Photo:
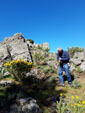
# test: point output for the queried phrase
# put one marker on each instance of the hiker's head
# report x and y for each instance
(60, 50)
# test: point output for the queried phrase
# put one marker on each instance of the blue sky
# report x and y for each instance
(61, 23)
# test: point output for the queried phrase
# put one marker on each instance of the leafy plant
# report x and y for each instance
(72, 50)
(47, 49)
(78, 69)
(18, 68)
(39, 47)
(38, 57)
(76, 84)
(61, 107)
(2, 72)
(51, 79)
(31, 41)
(73, 106)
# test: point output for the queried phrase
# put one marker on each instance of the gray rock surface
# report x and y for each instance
(82, 66)
(6, 82)
(4, 55)
(15, 47)
(76, 61)
(80, 56)
(25, 105)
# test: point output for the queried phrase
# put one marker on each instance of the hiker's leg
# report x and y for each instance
(60, 73)
(66, 69)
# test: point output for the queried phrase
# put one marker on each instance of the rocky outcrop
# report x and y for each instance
(4, 54)
(15, 47)
(44, 45)
(78, 60)
(82, 66)
(25, 105)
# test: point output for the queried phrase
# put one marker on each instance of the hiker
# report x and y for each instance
(63, 59)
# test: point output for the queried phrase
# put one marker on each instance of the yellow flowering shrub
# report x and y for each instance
(18, 68)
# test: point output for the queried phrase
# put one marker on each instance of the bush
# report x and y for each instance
(51, 79)
(18, 68)
(31, 41)
(47, 49)
(38, 57)
(46, 69)
(39, 47)
(76, 84)
(72, 50)
(78, 69)
(2, 71)
(49, 70)
(73, 106)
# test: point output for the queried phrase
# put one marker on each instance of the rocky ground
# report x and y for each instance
(40, 93)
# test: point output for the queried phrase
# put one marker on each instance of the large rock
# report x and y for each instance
(16, 47)
(82, 66)
(4, 55)
(76, 61)
(72, 68)
(25, 105)
(6, 82)
(80, 56)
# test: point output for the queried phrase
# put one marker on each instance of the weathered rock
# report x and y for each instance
(15, 47)
(80, 56)
(33, 72)
(76, 61)
(82, 66)
(4, 55)
(25, 105)
(72, 68)
(6, 74)
(6, 82)
(44, 45)
(18, 47)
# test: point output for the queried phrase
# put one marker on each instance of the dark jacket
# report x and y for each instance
(64, 57)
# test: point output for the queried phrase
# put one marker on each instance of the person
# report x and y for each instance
(63, 59)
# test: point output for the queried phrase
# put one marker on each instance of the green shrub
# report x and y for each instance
(38, 57)
(46, 70)
(18, 68)
(78, 69)
(39, 47)
(72, 50)
(31, 41)
(2, 71)
(49, 70)
(41, 66)
(52, 70)
(47, 49)
(51, 79)
(61, 107)
(76, 84)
